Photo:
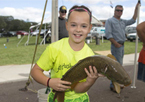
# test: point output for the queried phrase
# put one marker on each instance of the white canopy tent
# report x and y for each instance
(37, 27)
(96, 22)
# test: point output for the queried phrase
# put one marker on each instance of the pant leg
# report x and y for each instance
(144, 72)
(141, 71)
(118, 53)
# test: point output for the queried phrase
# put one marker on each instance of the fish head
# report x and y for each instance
(117, 73)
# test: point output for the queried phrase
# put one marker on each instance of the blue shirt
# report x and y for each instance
(115, 28)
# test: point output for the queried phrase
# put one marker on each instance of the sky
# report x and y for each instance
(32, 10)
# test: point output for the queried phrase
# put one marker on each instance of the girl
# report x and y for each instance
(60, 56)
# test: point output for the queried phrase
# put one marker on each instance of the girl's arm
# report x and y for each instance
(55, 83)
(38, 75)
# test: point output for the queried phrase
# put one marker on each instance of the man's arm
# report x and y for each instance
(135, 11)
(108, 34)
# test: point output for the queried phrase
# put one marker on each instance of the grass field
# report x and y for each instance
(21, 54)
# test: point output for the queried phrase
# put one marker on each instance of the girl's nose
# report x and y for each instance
(78, 29)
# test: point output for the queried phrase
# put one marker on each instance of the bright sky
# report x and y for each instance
(33, 9)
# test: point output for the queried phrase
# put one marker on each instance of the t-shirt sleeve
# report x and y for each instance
(45, 61)
(84, 80)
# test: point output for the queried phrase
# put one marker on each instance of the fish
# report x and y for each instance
(106, 65)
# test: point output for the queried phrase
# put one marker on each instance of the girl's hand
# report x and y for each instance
(59, 85)
(92, 75)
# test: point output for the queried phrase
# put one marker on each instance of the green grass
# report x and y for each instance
(128, 49)
(22, 54)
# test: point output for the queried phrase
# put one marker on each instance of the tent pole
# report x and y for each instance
(54, 26)
(136, 47)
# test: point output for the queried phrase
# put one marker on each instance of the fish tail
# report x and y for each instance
(59, 96)
(55, 96)
(117, 87)
(73, 85)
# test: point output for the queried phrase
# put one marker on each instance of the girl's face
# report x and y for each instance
(78, 26)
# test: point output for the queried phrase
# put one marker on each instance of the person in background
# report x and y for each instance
(141, 60)
(115, 32)
(60, 56)
(62, 20)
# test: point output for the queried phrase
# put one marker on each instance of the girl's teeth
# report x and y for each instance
(77, 35)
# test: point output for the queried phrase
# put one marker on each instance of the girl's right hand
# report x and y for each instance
(59, 85)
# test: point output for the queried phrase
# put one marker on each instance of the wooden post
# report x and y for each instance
(54, 26)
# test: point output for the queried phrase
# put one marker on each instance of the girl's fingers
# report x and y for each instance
(86, 71)
(64, 85)
(91, 71)
(95, 70)
(65, 82)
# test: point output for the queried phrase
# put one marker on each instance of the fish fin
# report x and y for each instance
(55, 95)
(73, 85)
(111, 56)
(117, 87)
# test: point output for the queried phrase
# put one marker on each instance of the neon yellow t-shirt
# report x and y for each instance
(60, 57)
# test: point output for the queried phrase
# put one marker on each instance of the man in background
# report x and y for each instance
(62, 20)
(115, 32)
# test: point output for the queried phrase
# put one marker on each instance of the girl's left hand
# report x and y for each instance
(92, 74)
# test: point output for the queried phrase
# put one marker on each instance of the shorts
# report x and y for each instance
(141, 71)
(83, 98)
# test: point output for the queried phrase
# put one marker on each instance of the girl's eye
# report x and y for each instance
(73, 25)
(84, 26)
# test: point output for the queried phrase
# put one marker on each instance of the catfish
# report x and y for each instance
(106, 65)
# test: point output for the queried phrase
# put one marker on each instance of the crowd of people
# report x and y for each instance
(71, 47)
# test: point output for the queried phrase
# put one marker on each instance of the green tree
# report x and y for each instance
(11, 24)
(2, 24)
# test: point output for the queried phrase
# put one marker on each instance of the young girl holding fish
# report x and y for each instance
(60, 56)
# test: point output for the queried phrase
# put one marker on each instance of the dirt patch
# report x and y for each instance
(103, 52)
